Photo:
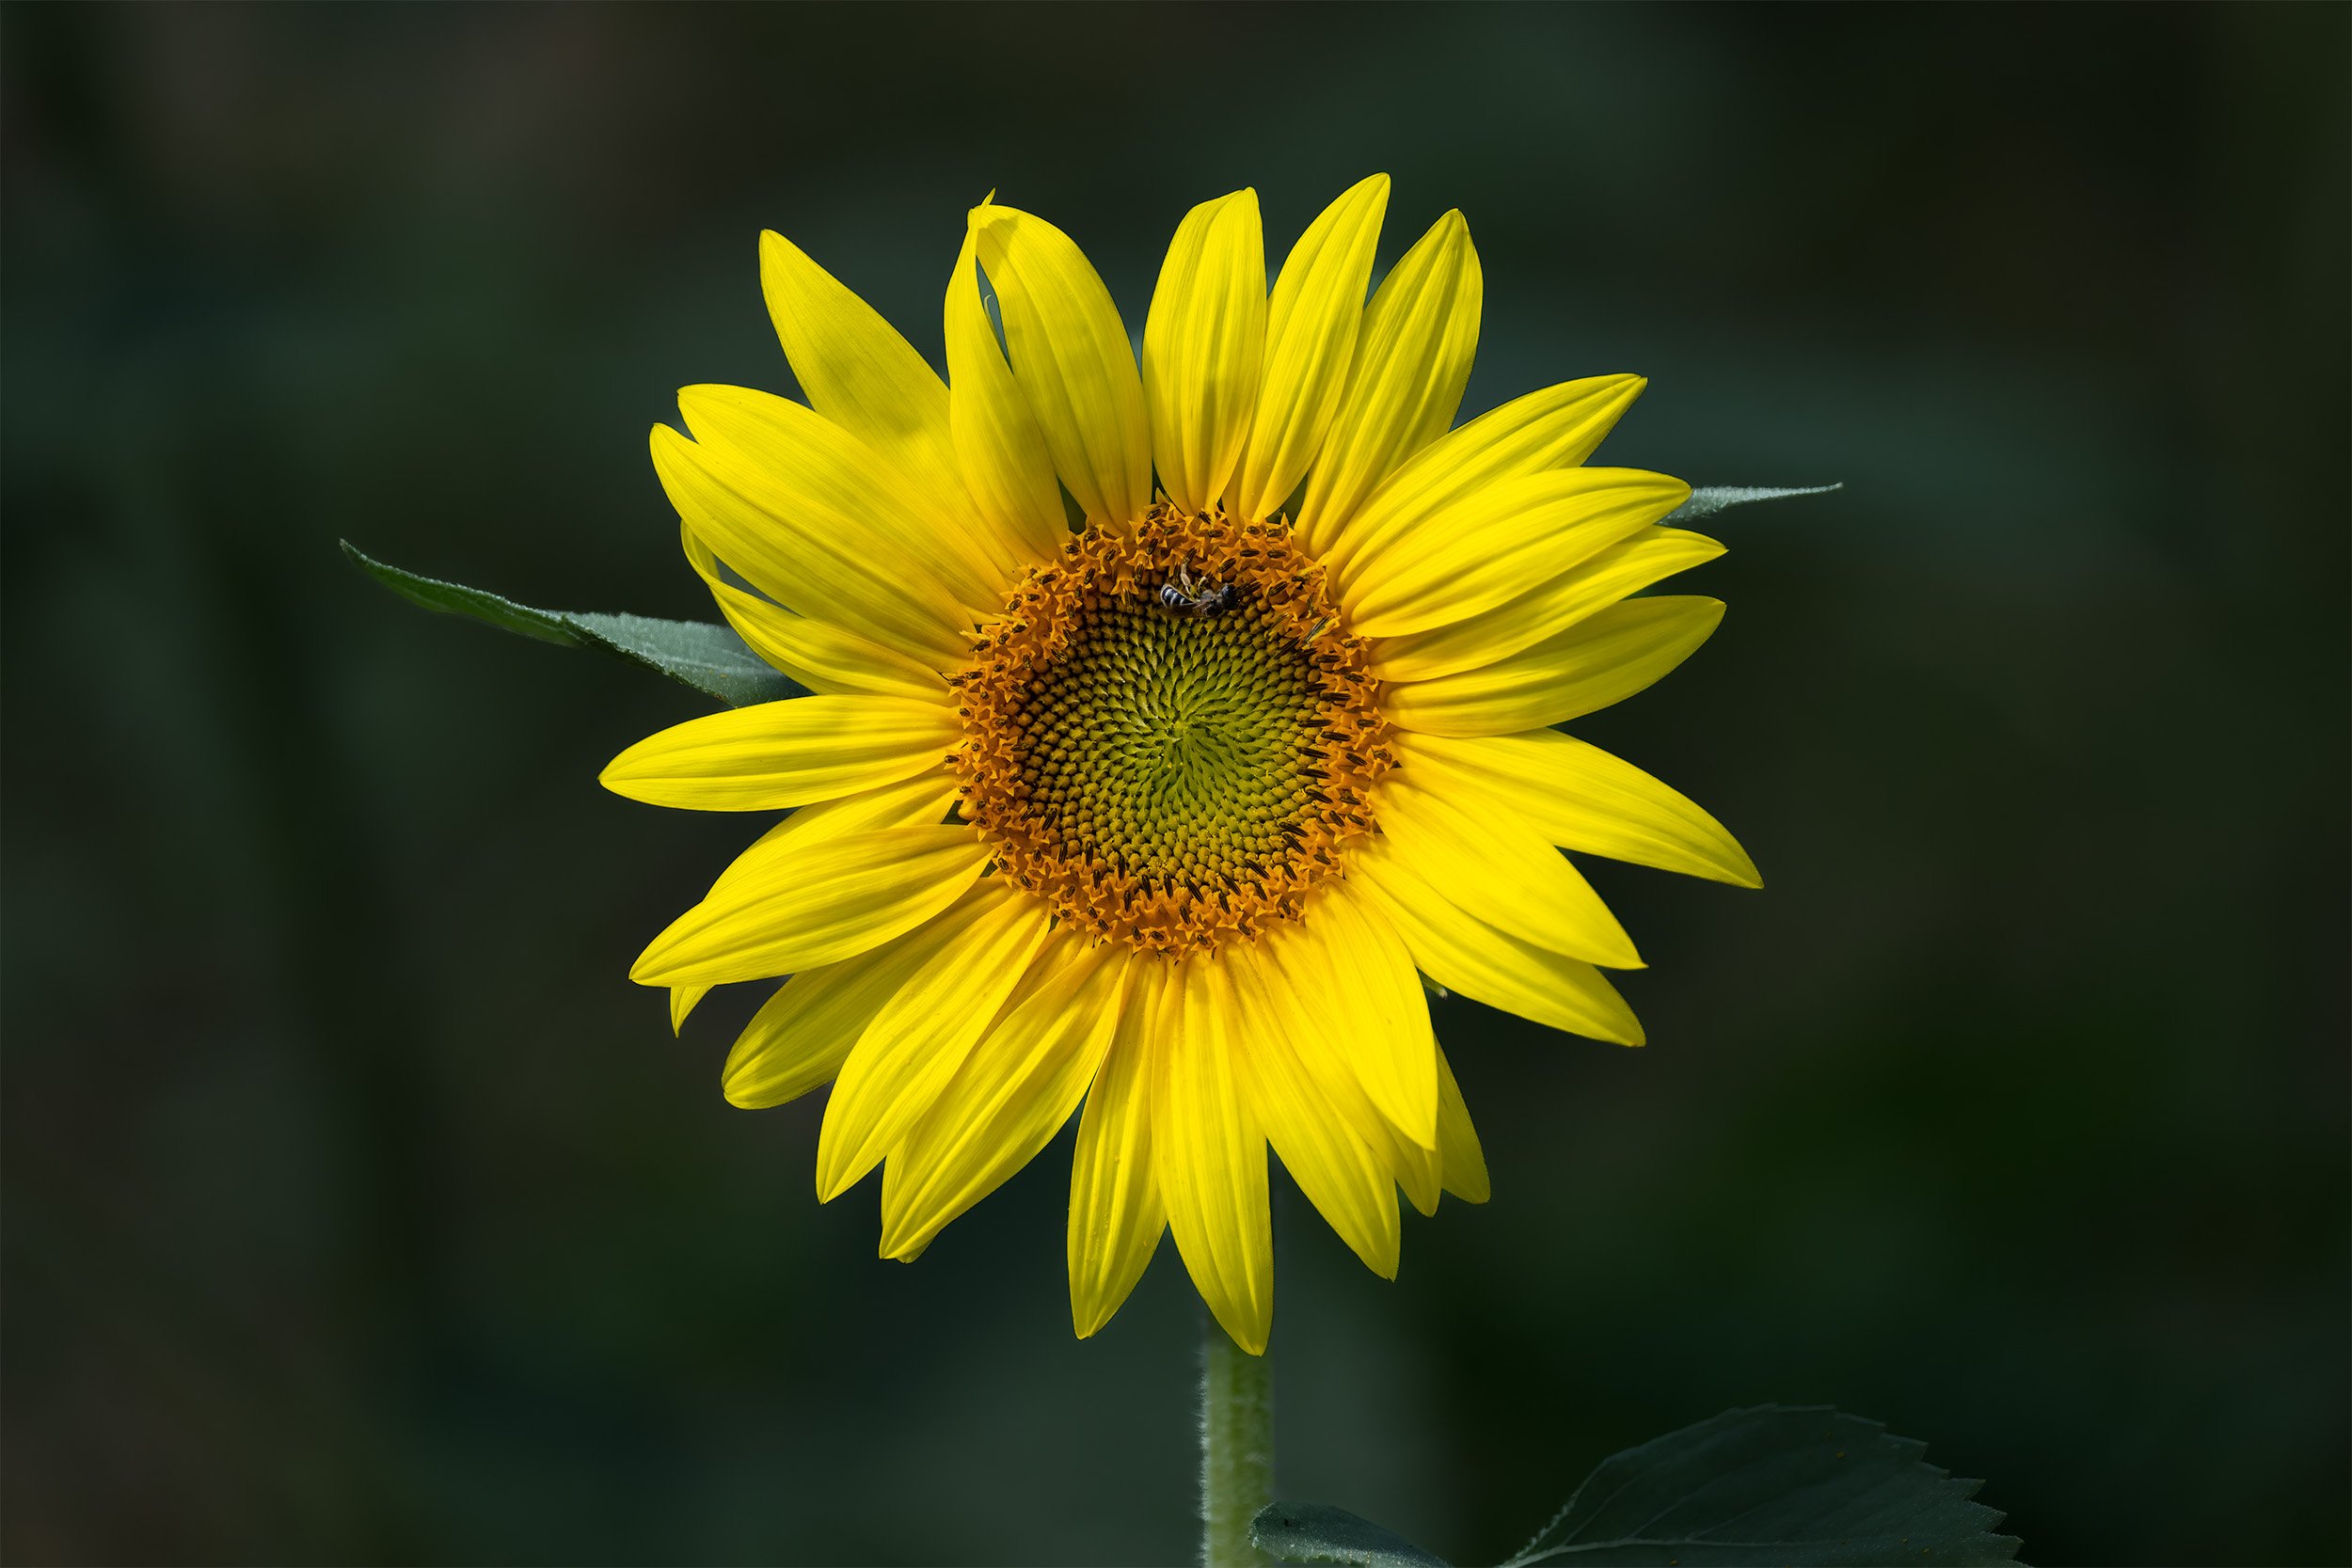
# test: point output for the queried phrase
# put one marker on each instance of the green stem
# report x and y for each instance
(1237, 1446)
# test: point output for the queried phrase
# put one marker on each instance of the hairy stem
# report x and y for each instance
(1237, 1446)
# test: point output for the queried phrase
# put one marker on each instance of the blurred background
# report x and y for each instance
(358, 1209)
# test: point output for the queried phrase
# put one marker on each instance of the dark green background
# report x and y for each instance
(359, 1210)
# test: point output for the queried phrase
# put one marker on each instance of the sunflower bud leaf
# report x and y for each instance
(1710, 499)
(710, 657)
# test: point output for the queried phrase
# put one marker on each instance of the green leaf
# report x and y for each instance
(1778, 1484)
(1795, 1486)
(1707, 502)
(711, 658)
(1316, 1532)
(705, 655)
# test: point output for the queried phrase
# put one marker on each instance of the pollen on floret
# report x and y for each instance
(1168, 733)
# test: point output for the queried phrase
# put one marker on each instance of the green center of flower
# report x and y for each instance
(1173, 741)
(1168, 735)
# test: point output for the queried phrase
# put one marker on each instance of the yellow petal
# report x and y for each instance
(1007, 467)
(1457, 1141)
(1116, 1214)
(1553, 427)
(1302, 996)
(919, 802)
(1464, 954)
(921, 1035)
(1011, 1095)
(828, 477)
(1311, 325)
(1203, 345)
(1581, 797)
(1501, 870)
(854, 367)
(813, 559)
(1544, 610)
(1073, 361)
(784, 754)
(1209, 1154)
(1603, 659)
(799, 1040)
(802, 905)
(1411, 362)
(1343, 1176)
(1484, 551)
(860, 373)
(1384, 1012)
(820, 655)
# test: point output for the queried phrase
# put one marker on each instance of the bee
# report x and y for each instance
(1190, 595)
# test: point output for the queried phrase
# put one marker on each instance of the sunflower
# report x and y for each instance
(1168, 722)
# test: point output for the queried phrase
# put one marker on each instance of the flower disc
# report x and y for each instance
(1168, 735)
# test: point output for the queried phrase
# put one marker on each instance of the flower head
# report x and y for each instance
(1167, 720)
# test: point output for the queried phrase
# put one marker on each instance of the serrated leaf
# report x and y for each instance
(1775, 1484)
(1317, 1532)
(706, 657)
(1714, 498)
